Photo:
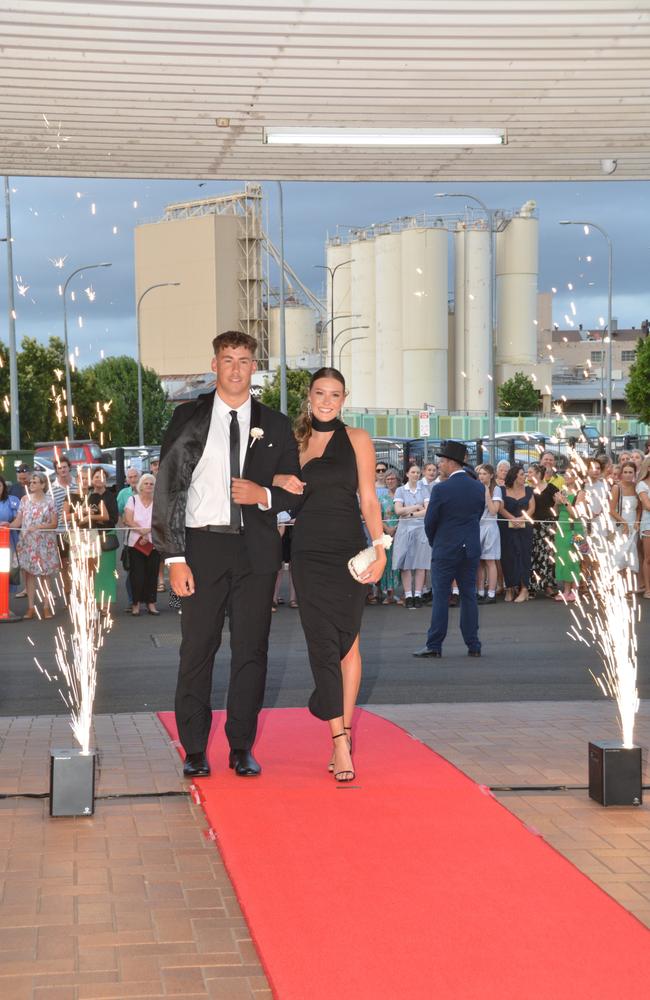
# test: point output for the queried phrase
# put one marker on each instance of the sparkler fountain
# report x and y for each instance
(72, 772)
(605, 619)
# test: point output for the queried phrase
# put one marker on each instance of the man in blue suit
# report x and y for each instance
(452, 524)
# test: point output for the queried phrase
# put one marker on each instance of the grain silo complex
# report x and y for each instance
(405, 338)
(407, 317)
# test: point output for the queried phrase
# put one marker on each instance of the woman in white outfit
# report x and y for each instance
(411, 550)
(490, 536)
(625, 509)
(643, 492)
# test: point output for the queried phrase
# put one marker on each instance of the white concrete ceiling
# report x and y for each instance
(132, 89)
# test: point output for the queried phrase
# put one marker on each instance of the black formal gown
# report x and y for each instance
(327, 533)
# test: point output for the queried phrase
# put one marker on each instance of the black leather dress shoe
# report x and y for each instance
(244, 764)
(473, 652)
(426, 652)
(196, 766)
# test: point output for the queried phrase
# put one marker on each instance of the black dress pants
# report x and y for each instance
(143, 576)
(223, 577)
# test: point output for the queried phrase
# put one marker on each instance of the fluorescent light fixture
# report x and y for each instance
(384, 137)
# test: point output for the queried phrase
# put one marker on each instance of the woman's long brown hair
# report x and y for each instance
(302, 428)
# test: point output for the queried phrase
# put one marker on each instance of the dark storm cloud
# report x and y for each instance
(50, 221)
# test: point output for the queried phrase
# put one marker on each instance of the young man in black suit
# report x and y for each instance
(214, 522)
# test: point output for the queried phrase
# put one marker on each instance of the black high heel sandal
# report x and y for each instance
(338, 775)
(348, 729)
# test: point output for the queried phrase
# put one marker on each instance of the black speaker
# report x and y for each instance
(72, 782)
(615, 774)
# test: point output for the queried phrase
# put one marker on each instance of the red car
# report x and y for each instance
(78, 452)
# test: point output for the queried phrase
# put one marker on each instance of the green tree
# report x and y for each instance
(518, 395)
(40, 381)
(298, 380)
(637, 391)
(107, 404)
(104, 396)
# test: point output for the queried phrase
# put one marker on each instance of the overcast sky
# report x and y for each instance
(87, 221)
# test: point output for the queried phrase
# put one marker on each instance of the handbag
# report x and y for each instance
(146, 548)
(108, 542)
(359, 564)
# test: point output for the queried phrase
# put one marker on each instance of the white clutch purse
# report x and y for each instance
(359, 564)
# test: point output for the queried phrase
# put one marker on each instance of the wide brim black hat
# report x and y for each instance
(455, 450)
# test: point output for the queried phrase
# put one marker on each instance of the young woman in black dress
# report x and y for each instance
(338, 470)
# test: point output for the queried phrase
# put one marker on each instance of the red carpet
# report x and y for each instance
(413, 885)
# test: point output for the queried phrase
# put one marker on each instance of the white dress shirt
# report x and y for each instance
(208, 496)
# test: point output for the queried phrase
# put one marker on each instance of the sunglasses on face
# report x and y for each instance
(380, 470)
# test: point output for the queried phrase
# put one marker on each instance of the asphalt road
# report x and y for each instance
(527, 656)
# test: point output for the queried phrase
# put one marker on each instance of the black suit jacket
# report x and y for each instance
(182, 447)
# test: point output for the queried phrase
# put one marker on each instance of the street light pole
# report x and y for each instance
(68, 383)
(160, 284)
(346, 344)
(492, 389)
(610, 332)
(13, 359)
(332, 271)
(346, 328)
(283, 329)
(331, 321)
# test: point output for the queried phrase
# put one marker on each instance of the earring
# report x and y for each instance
(309, 408)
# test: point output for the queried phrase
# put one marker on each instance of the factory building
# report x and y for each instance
(213, 248)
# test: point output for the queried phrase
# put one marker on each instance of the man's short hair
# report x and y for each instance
(234, 338)
(63, 460)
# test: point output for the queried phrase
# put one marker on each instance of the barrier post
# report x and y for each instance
(5, 565)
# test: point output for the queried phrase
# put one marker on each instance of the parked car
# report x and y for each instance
(399, 453)
(522, 448)
(77, 452)
(80, 470)
(136, 457)
(46, 466)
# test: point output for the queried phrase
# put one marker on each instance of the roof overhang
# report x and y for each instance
(171, 89)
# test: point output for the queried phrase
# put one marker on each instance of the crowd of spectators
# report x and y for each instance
(537, 531)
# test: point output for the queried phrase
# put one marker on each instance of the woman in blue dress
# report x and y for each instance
(391, 579)
(9, 506)
(490, 536)
(411, 549)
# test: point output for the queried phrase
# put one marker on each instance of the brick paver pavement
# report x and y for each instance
(135, 901)
(132, 902)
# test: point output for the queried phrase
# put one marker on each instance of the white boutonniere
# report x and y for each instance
(257, 434)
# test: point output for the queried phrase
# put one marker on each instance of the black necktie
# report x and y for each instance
(235, 509)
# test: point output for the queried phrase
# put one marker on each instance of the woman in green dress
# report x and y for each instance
(391, 578)
(569, 532)
(102, 505)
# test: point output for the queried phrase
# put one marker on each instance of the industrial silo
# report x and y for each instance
(337, 255)
(424, 318)
(300, 331)
(516, 270)
(359, 356)
(388, 320)
(477, 316)
(458, 375)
